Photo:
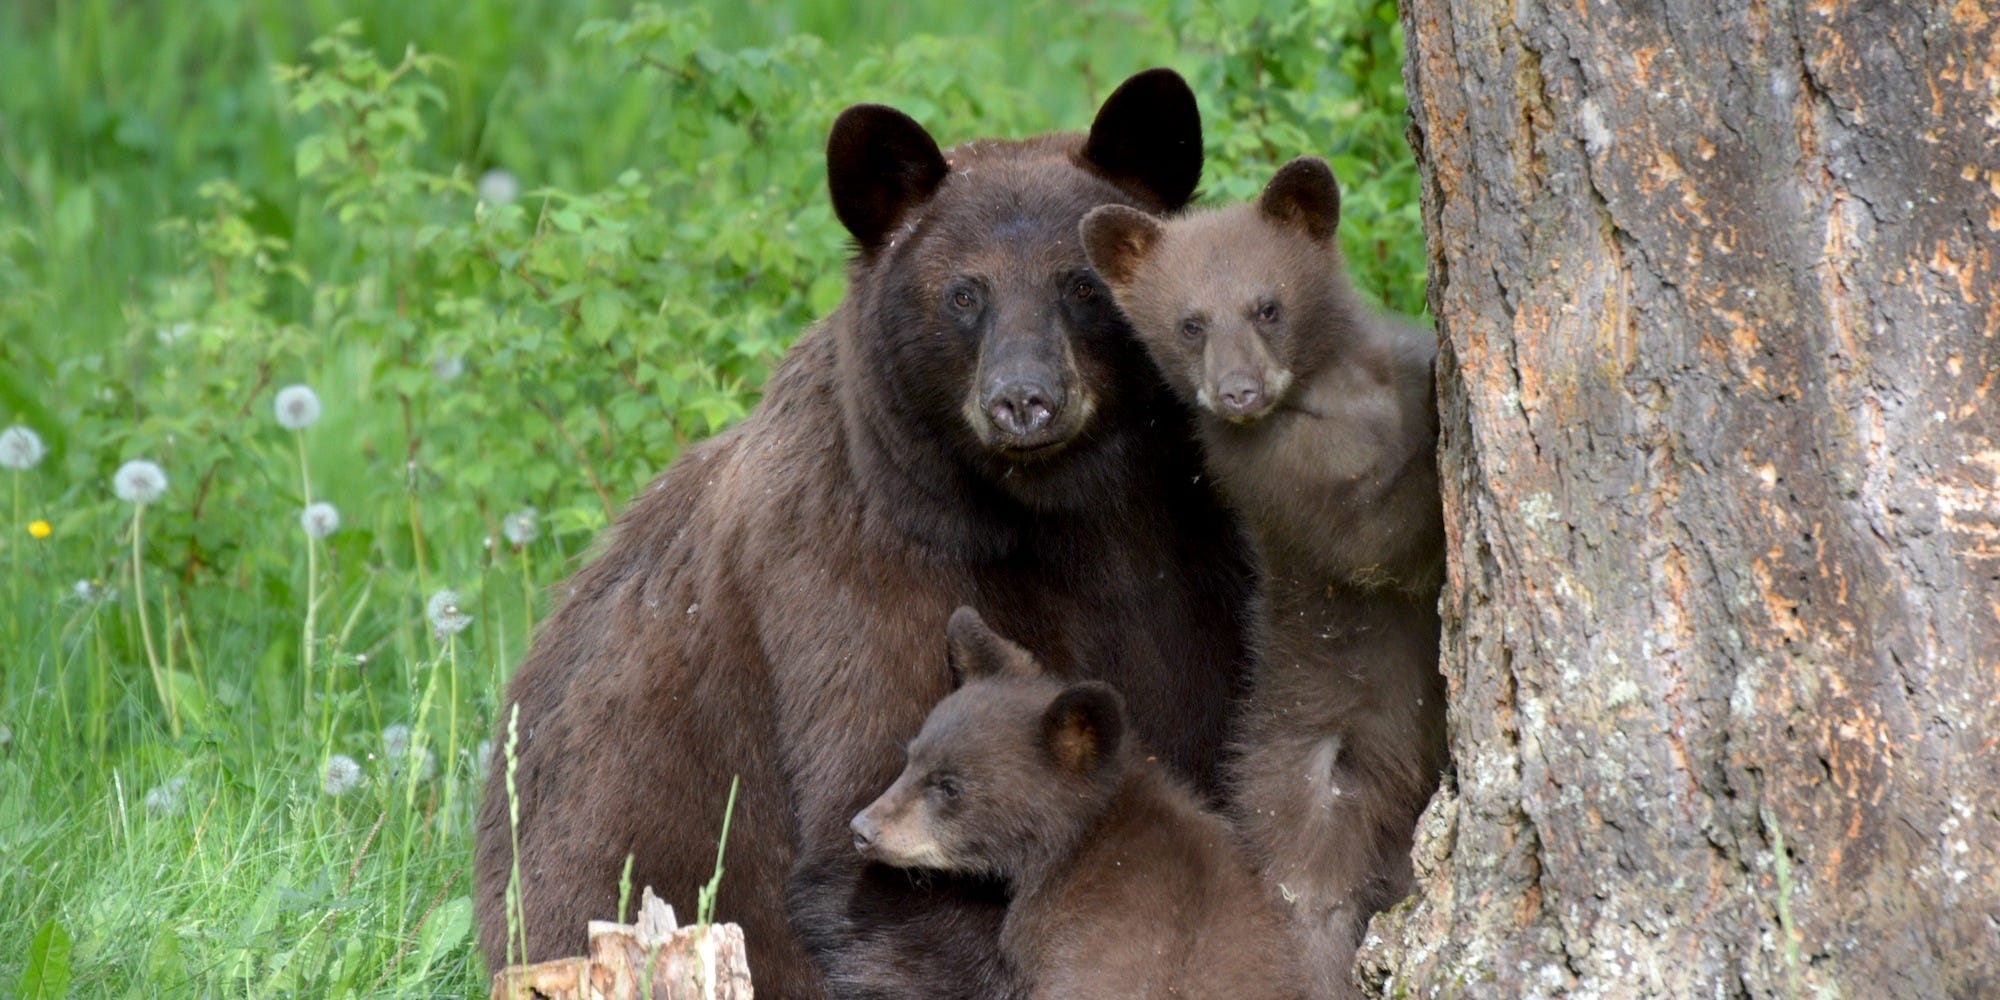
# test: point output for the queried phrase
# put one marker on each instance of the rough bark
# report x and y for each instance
(1715, 284)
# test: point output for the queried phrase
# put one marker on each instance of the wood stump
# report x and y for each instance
(653, 957)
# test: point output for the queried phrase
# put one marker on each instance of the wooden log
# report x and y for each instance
(653, 958)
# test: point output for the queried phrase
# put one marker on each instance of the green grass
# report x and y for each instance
(185, 229)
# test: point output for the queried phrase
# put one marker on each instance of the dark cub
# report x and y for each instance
(1124, 886)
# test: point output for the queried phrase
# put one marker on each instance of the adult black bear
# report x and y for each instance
(1318, 422)
(1124, 885)
(975, 424)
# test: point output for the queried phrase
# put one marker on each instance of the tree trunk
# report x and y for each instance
(1716, 287)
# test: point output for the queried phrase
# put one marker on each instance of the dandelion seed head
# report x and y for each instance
(343, 775)
(420, 761)
(445, 615)
(395, 741)
(446, 367)
(165, 800)
(173, 334)
(482, 758)
(499, 187)
(520, 527)
(20, 448)
(319, 519)
(7, 737)
(139, 481)
(298, 407)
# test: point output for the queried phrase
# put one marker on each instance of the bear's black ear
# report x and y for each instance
(1304, 194)
(879, 164)
(1147, 139)
(1082, 728)
(975, 650)
(1117, 240)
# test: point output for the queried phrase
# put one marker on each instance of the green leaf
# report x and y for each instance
(47, 974)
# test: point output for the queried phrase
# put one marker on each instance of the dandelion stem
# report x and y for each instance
(145, 628)
(312, 589)
(312, 609)
(14, 579)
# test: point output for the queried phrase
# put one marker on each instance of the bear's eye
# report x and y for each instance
(1083, 290)
(1191, 328)
(962, 298)
(947, 787)
(1267, 312)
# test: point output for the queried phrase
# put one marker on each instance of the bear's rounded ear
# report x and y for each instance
(879, 164)
(1083, 727)
(1117, 239)
(975, 650)
(1304, 195)
(1147, 139)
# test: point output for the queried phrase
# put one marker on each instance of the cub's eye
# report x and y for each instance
(1192, 329)
(962, 299)
(1267, 312)
(947, 787)
(1083, 290)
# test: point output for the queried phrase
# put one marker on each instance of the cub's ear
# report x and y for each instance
(1147, 139)
(1305, 195)
(879, 164)
(977, 651)
(1117, 240)
(1082, 728)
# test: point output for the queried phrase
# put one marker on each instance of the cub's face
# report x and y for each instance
(980, 323)
(965, 801)
(1228, 303)
(1006, 771)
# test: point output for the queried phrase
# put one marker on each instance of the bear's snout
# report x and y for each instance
(865, 832)
(1022, 409)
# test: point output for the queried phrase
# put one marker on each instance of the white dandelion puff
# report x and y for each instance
(445, 614)
(520, 527)
(420, 761)
(395, 741)
(173, 334)
(20, 448)
(446, 367)
(298, 407)
(343, 775)
(482, 758)
(165, 800)
(499, 187)
(139, 481)
(319, 519)
(7, 736)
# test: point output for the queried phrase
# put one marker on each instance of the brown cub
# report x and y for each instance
(1317, 420)
(1123, 885)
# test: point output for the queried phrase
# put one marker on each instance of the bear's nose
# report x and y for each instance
(865, 832)
(1021, 408)
(1241, 394)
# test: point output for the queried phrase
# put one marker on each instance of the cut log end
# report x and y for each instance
(653, 957)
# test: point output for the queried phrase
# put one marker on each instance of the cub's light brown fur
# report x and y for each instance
(1317, 419)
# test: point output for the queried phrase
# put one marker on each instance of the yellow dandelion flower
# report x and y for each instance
(40, 529)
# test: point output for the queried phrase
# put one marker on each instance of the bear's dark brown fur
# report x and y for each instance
(1318, 421)
(1124, 886)
(974, 424)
